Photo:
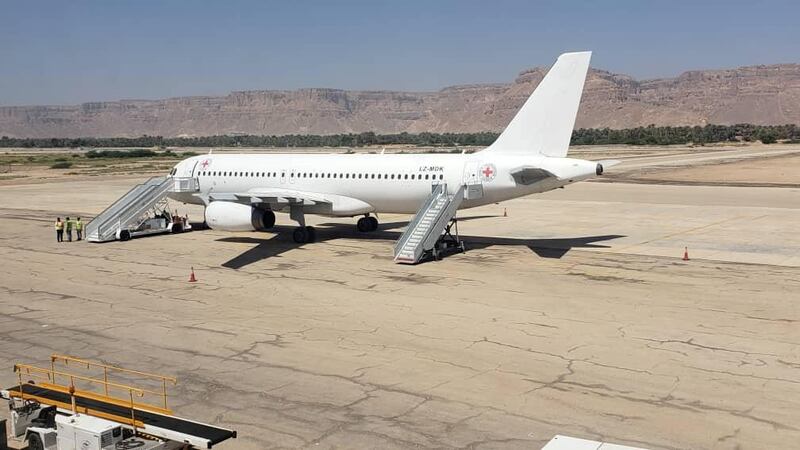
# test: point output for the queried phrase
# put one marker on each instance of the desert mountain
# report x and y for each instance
(757, 94)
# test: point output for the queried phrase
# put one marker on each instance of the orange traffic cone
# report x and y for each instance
(192, 278)
(686, 253)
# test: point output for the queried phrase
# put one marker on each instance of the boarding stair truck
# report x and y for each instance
(77, 404)
(142, 211)
(434, 229)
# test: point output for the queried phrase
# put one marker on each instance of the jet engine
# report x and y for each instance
(230, 216)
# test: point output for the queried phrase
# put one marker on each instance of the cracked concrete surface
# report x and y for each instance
(333, 345)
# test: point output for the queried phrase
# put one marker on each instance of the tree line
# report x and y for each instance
(650, 135)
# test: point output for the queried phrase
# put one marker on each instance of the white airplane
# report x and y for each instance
(242, 192)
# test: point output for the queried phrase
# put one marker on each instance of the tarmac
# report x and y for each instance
(572, 315)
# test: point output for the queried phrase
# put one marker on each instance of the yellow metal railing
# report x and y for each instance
(50, 374)
(66, 360)
(86, 384)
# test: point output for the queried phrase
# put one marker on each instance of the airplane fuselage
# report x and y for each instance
(388, 183)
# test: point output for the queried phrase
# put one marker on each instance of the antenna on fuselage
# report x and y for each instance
(210, 151)
(383, 150)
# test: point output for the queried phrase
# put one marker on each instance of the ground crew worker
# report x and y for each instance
(59, 230)
(68, 226)
(79, 228)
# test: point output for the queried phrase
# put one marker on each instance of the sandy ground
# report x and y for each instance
(573, 315)
(752, 165)
(780, 170)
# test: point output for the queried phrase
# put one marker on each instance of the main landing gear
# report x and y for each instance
(367, 223)
(304, 235)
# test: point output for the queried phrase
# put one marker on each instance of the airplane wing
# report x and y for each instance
(312, 202)
(283, 197)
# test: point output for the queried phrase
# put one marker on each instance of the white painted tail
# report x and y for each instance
(544, 123)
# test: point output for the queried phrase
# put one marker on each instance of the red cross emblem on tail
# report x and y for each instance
(488, 172)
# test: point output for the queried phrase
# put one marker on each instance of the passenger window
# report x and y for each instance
(393, 176)
(441, 176)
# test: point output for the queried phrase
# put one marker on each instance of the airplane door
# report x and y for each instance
(283, 176)
(472, 181)
(186, 170)
(471, 173)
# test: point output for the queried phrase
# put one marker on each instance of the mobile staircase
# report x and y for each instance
(429, 233)
(144, 201)
(49, 405)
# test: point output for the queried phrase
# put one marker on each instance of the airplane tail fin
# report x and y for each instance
(544, 123)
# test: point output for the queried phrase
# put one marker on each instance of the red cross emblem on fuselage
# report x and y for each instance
(487, 172)
(205, 163)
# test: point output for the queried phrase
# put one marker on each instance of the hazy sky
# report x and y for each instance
(65, 52)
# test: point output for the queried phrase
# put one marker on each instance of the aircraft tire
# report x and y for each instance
(300, 235)
(124, 235)
(363, 225)
(268, 219)
(311, 234)
(373, 223)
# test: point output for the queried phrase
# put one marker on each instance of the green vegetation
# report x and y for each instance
(651, 135)
(61, 165)
(137, 153)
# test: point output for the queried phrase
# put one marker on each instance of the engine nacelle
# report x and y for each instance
(230, 216)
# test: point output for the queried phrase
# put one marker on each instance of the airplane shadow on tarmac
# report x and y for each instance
(282, 242)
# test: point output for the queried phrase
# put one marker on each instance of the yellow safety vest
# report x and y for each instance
(59, 225)
(79, 225)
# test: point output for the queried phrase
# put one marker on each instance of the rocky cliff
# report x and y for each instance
(757, 94)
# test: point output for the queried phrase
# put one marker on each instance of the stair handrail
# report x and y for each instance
(152, 196)
(443, 218)
(118, 215)
(435, 194)
(120, 205)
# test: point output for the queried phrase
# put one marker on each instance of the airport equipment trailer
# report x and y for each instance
(96, 409)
